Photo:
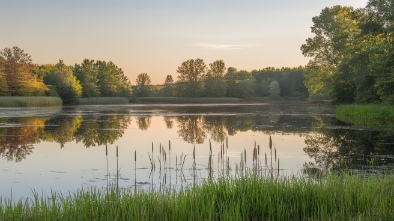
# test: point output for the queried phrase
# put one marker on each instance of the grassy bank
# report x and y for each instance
(184, 100)
(337, 197)
(103, 100)
(33, 101)
(372, 114)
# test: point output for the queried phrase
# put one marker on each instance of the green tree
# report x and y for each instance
(215, 84)
(240, 83)
(143, 85)
(168, 89)
(274, 89)
(190, 78)
(17, 68)
(111, 80)
(87, 74)
(62, 78)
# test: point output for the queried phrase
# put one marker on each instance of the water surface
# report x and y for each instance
(73, 147)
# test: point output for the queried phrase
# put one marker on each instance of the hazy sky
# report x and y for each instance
(155, 36)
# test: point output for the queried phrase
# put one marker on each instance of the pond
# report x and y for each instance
(170, 146)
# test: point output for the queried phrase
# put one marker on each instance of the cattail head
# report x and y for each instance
(135, 155)
(270, 143)
(169, 145)
(106, 150)
(194, 152)
(117, 151)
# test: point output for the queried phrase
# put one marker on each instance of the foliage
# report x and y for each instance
(214, 82)
(16, 67)
(62, 78)
(274, 89)
(239, 83)
(352, 53)
(168, 90)
(87, 74)
(112, 81)
(143, 88)
(191, 74)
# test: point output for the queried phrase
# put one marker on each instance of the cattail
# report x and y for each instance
(270, 143)
(258, 150)
(210, 147)
(265, 159)
(275, 153)
(135, 156)
(169, 145)
(245, 154)
(106, 150)
(152, 148)
(226, 142)
(255, 154)
(194, 152)
(117, 151)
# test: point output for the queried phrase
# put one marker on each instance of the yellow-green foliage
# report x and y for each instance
(36, 101)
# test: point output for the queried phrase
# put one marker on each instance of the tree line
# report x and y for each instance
(352, 54)
(20, 77)
(196, 79)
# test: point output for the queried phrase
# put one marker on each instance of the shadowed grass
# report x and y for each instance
(29, 101)
(103, 100)
(185, 100)
(369, 115)
(336, 197)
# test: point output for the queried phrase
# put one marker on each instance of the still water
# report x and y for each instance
(73, 147)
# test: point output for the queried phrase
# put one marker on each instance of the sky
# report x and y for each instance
(156, 36)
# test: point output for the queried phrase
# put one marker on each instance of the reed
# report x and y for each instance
(103, 100)
(184, 100)
(30, 101)
(337, 197)
(370, 115)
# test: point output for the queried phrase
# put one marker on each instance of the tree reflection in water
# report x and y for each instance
(191, 128)
(16, 141)
(169, 121)
(143, 122)
(335, 149)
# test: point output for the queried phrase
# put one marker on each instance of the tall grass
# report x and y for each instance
(31, 101)
(184, 100)
(103, 100)
(371, 114)
(337, 197)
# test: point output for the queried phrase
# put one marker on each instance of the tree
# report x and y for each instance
(3, 84)
(240, 83)
(112, 81)
(87, 74)
(168, 89)
(17, 67)
(62, 78)
(143, 85)
(215, 84)
(274, 89)
(191, 73)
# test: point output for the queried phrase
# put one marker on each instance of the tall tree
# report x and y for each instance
(168, 89)
(112, 81)
(191, 74)
(215, 84)
(17, 67)
(143, 85)
(87, 74)
(62, 78)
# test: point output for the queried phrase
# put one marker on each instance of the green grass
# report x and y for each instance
(336, 197)
(103, 100)
(184, 100)
(372, 114)
(29, 101)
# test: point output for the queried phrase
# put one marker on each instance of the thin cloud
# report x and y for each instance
(222, 46)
